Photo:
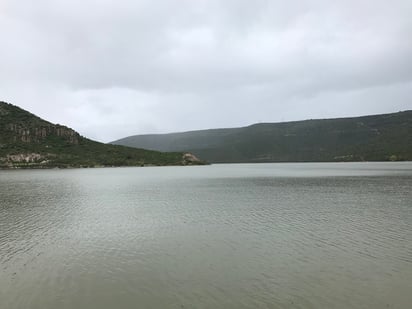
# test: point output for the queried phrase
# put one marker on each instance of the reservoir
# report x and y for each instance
(281, 235)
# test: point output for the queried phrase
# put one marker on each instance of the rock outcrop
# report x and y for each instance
(191, 159)
(26, 159)
(39, 133)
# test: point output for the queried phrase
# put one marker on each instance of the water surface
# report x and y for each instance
(310, 235)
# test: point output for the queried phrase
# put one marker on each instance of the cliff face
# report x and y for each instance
(18, 126)
(40, 133)
(27, 141)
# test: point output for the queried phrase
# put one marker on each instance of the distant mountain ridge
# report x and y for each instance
(367, 138)
(27, 141)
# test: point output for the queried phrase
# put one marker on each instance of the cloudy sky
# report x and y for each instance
(113, 68)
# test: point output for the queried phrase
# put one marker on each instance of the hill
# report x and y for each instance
(369, 138)
(27, 141)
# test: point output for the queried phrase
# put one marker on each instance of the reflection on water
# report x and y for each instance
(220, 236)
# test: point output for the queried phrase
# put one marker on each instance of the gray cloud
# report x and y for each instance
(116, 68)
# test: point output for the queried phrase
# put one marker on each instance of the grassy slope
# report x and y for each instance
(373, 138)
(59, 151)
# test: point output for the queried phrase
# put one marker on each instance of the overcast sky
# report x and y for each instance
(114, 68)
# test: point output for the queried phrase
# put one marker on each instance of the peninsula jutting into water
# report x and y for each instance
(27, 141)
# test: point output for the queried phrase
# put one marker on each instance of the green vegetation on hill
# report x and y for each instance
(27, 141)
(369, 138)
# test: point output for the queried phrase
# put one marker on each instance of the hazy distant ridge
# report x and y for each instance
(368, 138)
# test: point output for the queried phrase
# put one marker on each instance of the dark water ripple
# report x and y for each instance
(222, 236)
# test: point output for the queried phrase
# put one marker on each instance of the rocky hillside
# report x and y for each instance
(27, 141)
(369, 138)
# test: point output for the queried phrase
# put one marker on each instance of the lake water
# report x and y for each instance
(221, 236)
